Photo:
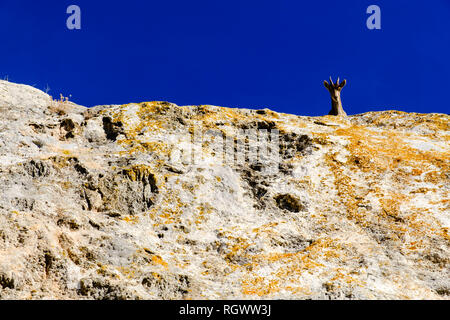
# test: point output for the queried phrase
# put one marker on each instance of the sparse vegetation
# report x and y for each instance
(61, 106)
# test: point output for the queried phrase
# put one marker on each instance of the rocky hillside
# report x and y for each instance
(140, 201)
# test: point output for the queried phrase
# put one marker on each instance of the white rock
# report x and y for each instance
(94, 203)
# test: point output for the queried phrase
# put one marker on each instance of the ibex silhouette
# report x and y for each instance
(335, 92)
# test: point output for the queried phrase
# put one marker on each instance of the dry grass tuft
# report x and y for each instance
(60, 106)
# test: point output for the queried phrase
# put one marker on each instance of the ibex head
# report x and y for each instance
(335, 93)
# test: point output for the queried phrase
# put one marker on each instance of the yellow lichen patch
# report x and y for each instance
(265, 227)
(169, 216)
(236, 250)
(391, 205)
(298, 290)
(324, 248)
(202, 210)
(296, 122)
(382, 167)
(128, 272)
(398, 119)
(148, 110)
(66, 185)
(134, 118)
(435, 176)
(210, 114)
(390, 220)
(305, 261)
(373, 151)
(66, 152)
(341, 277)
(102, 269)
(134, 146)
(269, 115)
(345, 189)
(131, 219)
(157, 260)
(260, 286)
(288, 268)
(168, 210)
(443, 232)
(138, 172)
(423, 190)
(62, 161)
(156, 275)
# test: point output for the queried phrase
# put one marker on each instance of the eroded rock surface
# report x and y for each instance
(93, 205)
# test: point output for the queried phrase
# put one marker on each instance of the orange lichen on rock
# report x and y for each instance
(157, 260)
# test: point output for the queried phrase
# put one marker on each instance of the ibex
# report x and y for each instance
(335, 92)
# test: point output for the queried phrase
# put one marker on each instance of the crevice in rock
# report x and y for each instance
(69, 127)
(112, 129)
(289, 202)
(258, 186)
(37, 168)
(292, 143)
(6, 282)
(48, 262)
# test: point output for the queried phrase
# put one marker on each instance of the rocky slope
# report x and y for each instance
(124, 202)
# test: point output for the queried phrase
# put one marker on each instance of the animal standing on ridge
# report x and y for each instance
(335, 92)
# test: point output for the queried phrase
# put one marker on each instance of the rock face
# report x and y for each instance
(142, 201)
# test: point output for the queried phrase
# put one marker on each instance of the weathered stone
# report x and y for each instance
(106, 203)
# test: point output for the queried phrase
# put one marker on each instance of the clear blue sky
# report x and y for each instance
(234, 53)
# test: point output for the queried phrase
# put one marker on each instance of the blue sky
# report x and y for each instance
(234, 53)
